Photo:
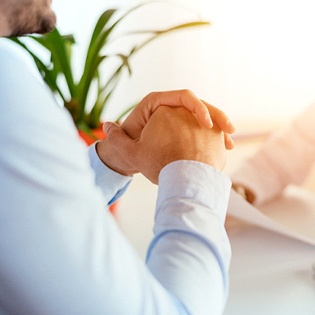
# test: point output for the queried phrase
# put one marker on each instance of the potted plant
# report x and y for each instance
(73, 93)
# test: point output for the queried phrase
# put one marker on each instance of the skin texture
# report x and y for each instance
(133, 126)
(171, 134)
(206, 113)
(20, 17)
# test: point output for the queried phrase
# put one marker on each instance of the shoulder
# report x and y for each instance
(20, 80)
(8, 47)
(15, 60)
(25, 99)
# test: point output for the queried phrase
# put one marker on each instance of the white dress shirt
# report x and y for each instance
(61, 251)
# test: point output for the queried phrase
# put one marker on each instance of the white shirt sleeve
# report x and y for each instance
(112, 184)
(190, 252)
(62, 252)
(285, 158)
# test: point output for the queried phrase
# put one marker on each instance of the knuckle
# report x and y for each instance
(113, 135)
(150, 99)
(152, 95)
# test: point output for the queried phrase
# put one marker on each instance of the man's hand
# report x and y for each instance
(205, 113)
(139, 117)
(171, 134)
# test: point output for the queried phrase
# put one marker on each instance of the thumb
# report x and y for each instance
(120, 141)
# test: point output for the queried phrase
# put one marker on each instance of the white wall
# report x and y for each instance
(270, 56)
(255, 61)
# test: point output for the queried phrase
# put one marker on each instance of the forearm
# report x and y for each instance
(190, 253)
(286, 158)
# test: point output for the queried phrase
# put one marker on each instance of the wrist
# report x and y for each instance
(110, 157)
(245, 192)
(195, 181)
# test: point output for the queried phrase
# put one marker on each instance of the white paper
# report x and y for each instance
(292, 214)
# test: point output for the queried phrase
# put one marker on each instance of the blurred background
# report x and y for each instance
(256, 61)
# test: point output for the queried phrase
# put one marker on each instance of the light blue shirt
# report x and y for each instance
(61, 250)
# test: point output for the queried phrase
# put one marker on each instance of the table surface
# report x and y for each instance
(270, 274)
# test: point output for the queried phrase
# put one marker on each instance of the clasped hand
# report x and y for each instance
(165, 127)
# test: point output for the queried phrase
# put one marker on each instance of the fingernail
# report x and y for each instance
(209, 121)
(228, 122)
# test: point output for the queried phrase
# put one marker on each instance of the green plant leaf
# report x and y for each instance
(59, 46)
(100, 24)
(98, 41)
(47, 74)
(60, 49)
(157, 34)
(86, 82)
(92, 60)
(96, 113)
(125, 62)
(104, 33)
(125, 112)
(93, 118)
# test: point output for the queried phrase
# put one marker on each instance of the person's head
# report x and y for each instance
(20, 17)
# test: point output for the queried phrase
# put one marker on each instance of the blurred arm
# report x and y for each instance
(286, 158)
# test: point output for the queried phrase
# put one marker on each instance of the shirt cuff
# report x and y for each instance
(192, 201)
(197, 181)
(113, 184)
